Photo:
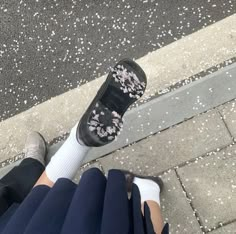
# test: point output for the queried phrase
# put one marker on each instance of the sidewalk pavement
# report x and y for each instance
(196, 157)
(196, 160)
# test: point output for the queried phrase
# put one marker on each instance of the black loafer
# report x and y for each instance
(102, 121)
(129, 176)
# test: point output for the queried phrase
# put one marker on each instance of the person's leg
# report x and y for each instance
(101, 122)
(157, 220)
(20, 180)
(23, 214)
(17, 183)
(52, 211)
(85, 212)
(3, 201)
(44, 180)
(150, 193)
(66, 161)
(115, 218)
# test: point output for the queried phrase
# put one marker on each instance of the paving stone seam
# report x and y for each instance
(186, 163)
(222, 225)
(63, 137)
(226, 125)
(20, 156)
(188, 197)
(189, 200)
(58, 139)
(197, 216)
(193, 160)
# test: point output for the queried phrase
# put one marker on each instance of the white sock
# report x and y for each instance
(68, 159)
(149, 190)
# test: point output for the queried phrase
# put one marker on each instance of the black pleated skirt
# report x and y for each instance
(95, 206)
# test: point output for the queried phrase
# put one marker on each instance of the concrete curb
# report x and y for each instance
(171, 109)
(165, 67)
(167, 110)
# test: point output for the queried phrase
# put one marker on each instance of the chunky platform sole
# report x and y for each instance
(102, 121)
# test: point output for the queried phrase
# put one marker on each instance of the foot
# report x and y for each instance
(36, 147)
(102, 121)
(129, 176)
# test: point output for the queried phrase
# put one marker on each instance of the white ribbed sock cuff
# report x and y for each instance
(68, 159)
(149, 190)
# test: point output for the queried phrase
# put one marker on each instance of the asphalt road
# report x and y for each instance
(48, 47)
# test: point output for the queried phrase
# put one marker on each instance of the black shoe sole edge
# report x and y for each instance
(129, 176)
(82, 129)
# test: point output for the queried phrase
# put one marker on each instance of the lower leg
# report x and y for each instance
(150, 193)
(44, 180)
(157, 220)
(65, 162)
(17, 183)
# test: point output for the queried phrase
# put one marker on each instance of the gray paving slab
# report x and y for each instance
(211, 185)
(230, 228)
(173, 146)
(173, 108)
(176, 209)
(228, 112)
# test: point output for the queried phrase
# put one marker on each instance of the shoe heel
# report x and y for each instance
(103, 126)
